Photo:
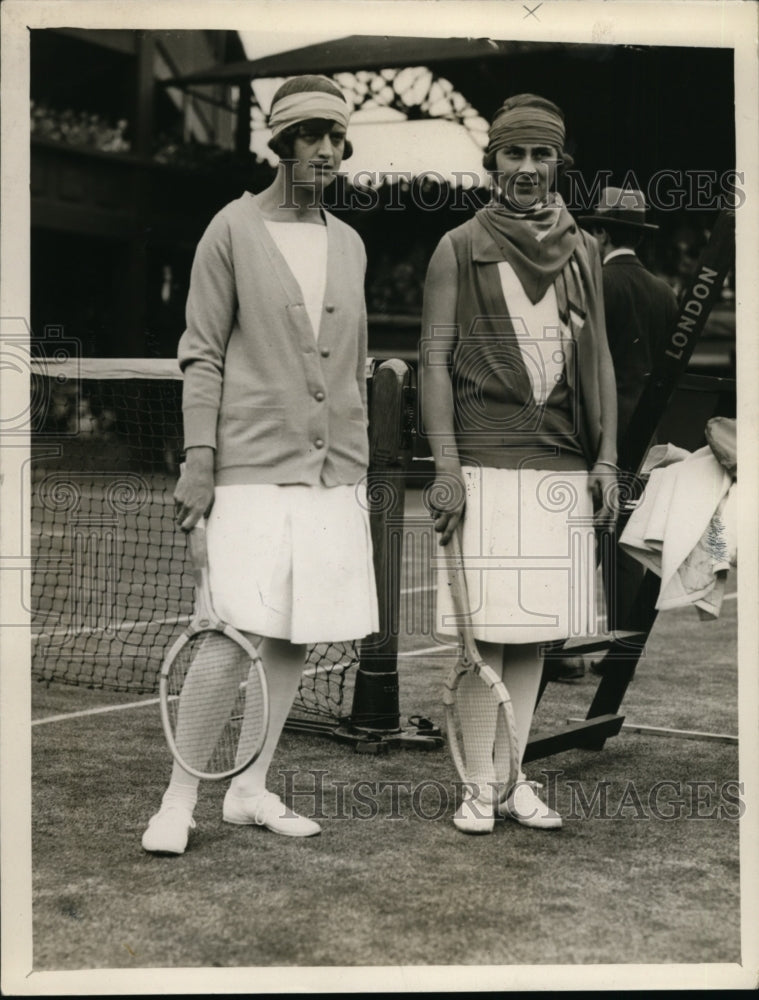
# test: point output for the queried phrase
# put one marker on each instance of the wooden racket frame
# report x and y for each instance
(205, 619)
(471, 662)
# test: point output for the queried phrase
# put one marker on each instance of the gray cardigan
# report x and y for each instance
(277, 406)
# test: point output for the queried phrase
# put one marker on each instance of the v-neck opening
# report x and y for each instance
(495, 293)
(289, 283)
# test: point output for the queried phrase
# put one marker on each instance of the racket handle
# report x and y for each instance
(456, 576)
(196, 539)
(197, 543)
(457, 582)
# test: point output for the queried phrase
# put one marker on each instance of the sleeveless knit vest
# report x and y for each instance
(496, 420)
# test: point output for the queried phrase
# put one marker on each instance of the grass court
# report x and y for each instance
(645, 872)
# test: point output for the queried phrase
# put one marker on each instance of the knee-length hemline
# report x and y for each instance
(293, 562)
(528, 545)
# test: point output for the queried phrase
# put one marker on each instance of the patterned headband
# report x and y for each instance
(311, 104)
(526, 125)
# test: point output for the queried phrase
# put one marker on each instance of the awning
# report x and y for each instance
(354, 52)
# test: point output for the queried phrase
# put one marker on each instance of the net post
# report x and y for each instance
(375, 712)
(376, 705)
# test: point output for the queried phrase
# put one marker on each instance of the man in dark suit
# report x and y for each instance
(641, 311)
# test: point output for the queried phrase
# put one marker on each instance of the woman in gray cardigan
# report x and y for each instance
(274, 410)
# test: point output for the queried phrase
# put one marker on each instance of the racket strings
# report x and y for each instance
(209, 685)
(482, 730)
(507, 755)
(482, 737)
(478, 715)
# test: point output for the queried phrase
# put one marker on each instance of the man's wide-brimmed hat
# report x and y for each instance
(619, 207)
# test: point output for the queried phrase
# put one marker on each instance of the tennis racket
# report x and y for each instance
(213, 693)
(486, 691)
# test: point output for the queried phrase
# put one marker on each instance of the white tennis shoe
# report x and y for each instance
(267, 809)
(475, 815)
(526, 807)
(168, 831)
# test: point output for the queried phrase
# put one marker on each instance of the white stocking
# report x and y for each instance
(283, 662)
(478, 720)
(522, 670)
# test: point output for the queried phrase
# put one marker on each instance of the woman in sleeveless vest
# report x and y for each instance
(519, 409)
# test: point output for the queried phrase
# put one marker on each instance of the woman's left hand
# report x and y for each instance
(602, 483)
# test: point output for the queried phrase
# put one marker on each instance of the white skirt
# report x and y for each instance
(529, 557)
(293, 562)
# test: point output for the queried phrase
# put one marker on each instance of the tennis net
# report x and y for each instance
(111, 584)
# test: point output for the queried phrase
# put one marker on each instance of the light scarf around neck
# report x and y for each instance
(537, 243)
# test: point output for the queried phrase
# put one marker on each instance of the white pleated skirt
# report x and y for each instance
(528, 545)
(293, 562)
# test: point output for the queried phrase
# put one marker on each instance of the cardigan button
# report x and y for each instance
(330, 308)
(318, 443)
(319, 396)
(325, 352)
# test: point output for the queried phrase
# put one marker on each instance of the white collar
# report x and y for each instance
(618, 253)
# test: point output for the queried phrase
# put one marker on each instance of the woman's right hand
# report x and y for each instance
(193, 496)
(446, 501)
